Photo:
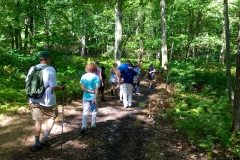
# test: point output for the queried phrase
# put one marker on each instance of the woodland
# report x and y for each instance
(194, 45)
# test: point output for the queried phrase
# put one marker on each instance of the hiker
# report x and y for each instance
(46, 105)
(138, 71)
(90, 84)
(99, 72)
(113, 80)
(127, 85)
(102, 87)
(121, 68)
(151, 73)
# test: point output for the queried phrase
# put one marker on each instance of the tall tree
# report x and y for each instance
(164, 35)
(236, 112)
(118, 32)
(228, 69)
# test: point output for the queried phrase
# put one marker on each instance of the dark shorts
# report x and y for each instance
(39, 111)
(151, 76)
(101, 89)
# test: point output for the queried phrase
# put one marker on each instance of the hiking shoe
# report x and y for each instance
(83, 130)
(45, 143)
(37, 148)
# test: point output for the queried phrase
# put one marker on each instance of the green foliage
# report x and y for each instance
(201, 110)
(14, 66)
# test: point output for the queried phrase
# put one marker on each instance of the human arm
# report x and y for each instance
(153, 70)
(87, 90)
(120, 80)
(56, 88)
(100, 76)
(136, 79)
(95, 94)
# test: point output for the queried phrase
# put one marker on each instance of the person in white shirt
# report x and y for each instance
(46, 105)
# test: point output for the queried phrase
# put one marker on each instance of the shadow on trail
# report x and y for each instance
(121, 134)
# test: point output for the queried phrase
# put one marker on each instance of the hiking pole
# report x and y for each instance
(62, 113)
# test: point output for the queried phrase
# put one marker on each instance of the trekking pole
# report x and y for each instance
(62, 113)
(168, 66)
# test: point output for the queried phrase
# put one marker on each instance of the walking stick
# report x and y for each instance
(62, 113)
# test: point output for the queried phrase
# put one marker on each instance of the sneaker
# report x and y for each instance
(37, 148)
(137, 93)
(83, 130)
(45, 143)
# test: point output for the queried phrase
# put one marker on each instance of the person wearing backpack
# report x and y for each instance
(44, 105)
(127, 84)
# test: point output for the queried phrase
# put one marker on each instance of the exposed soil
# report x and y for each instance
(140, 132)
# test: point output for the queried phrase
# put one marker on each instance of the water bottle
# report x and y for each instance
(93, 106)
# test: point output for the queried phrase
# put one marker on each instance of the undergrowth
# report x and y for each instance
(201, 106)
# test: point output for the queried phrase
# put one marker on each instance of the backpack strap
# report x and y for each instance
(44, 66)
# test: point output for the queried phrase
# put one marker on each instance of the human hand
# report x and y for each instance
(63, 86)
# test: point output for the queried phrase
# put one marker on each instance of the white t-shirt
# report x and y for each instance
(50, 80)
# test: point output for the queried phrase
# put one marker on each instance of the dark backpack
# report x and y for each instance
(35, 87)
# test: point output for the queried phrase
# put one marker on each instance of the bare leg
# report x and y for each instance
(37, 128)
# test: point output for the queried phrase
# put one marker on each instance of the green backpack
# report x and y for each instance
(34, 86)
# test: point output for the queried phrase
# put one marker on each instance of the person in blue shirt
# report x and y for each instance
(121, 68)
(90, 84)
(151, 74)
(138, 71)
(127, 85)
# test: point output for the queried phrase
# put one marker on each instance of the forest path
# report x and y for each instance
(121, 133)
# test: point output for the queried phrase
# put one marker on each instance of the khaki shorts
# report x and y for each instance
(39, 111)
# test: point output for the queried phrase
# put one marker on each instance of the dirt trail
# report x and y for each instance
(121, 134)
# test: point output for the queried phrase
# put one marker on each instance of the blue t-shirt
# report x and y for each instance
(90, 81)
(128, 75)
(123, 67)
(137, 70)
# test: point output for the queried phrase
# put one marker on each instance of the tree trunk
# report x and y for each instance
(118, 32)
(26, 32)
(228, 69)
(16, 39)
(140, 54)
(164, 34)
(236, 112)
(31, 26)
(221, 56)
